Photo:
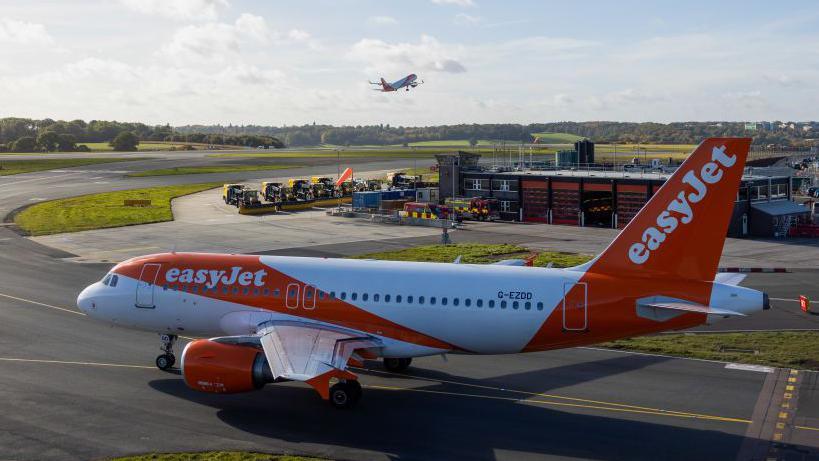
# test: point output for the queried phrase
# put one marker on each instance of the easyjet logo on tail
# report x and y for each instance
(680, 210)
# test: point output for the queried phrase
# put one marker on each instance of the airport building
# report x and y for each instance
(600, 198)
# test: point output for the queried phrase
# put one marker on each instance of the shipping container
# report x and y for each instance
(368, 199)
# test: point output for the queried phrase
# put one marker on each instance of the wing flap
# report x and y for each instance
(302, 351)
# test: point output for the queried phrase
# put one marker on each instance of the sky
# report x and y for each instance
(279, 62)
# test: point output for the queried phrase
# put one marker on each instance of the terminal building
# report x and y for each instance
(599, 198)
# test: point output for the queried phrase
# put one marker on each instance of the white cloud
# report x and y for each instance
(382, 20)
(23, 33)
(184, 10)
(462, 3)
(428, 54)
(463, 19)
(298, 35)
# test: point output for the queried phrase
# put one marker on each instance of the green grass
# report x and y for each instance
(453, 142)
(625, 152)
(557, 138)
(790, 349)
(387, 152)
(9, 167)
(147, 146)
(215, 456)
(97, 211)
(425, 174)
(476, 253)
(208, 169)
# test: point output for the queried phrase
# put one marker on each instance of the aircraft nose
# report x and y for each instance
(85, 301)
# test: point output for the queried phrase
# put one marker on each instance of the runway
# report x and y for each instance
(75, 389)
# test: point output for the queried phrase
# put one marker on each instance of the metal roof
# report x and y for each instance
(602, 174)
(779, 207)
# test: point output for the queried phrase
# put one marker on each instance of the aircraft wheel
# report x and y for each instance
(165, 361)
(345, 394)
(397, 364)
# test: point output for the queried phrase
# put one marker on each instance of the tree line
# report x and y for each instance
(776, 133)
(30, 135)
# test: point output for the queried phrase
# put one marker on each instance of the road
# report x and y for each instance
(75, 389)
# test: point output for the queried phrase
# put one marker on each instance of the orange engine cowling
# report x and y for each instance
(222, 368)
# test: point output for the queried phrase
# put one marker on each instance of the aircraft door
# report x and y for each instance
(146, 284)
(575, 306)
(291, 296)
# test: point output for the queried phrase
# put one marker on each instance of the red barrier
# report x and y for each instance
(804, 303)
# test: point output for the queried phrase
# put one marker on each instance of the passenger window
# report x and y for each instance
(479, 302)
(527, 305)
(515, 305)
(386, 298)
(114, 280)
(235, 290)
(503, 304)
(432, 300)
(420, 300)
(245, 291)
(291, 293)
(265, 292)
(343, 295)
(321, 295)
(443, 301)
(376, 297)
(353, 296)
(224, 290)
(409, 300)
(276, 293)
(491, 303)
(196, 288)
(540, 306)
(332, 295)
(467, 302)
(398, 299)
(255, 292)
(165, 287)
(454, 301)
(365, 296)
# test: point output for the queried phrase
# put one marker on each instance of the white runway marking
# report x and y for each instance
(746, 367)
(67, 362)
(784, 299)
(42, 304)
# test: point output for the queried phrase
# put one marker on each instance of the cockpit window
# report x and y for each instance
(113, 282)
(106, 279)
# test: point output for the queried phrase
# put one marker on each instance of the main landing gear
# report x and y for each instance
(396, 364)
(167, 360)
(345, 394)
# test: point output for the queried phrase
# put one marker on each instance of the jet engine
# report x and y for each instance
(221, 368)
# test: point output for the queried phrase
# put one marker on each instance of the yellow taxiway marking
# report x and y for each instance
(807, 428)
(68, 362)
(71, 311)
(552, 396)
(567, 404)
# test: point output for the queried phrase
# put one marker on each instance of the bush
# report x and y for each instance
(125, 141)
(82, 148)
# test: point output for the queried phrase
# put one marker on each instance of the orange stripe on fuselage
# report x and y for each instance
(334, 311)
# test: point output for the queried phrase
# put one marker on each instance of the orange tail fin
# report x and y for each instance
(681, 230)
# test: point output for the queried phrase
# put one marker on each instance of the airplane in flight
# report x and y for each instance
(275, 318)
(410, 81)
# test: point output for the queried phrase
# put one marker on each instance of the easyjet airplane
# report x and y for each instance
(272, 319)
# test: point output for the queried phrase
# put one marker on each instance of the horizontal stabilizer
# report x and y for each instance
(510, 262)
(730, 278)
(686, 307)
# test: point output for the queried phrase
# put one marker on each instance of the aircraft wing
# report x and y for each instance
(313, 353)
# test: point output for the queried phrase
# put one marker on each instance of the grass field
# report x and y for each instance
(425, 174)
(453, 142)
(97, 211)
(790, 349)
(625, 152)
(387, 152)
(146, 146)
(476, 253)
(207, 169)
(215, 456)
(557, 138)
(9, 167)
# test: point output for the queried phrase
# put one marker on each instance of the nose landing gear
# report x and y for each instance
(167, 360)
